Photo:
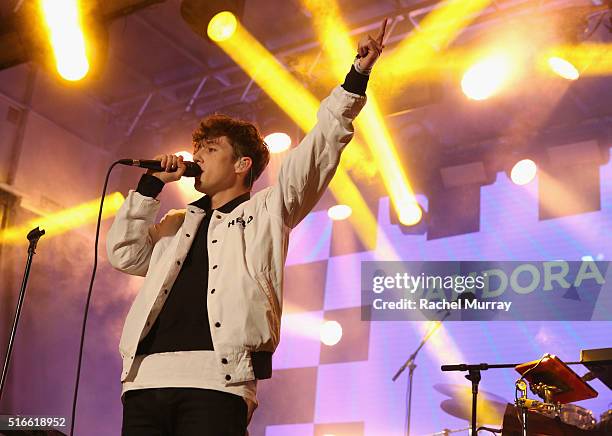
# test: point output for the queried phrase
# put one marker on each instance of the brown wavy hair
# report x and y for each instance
(242, 135)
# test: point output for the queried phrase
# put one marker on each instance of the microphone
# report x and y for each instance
(193, 169)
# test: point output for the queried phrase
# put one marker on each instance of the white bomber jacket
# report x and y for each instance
(247, 248)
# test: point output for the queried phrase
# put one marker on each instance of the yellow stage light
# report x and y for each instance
(278, 142)
(387, 160)
(410, 215)
(64, 221)
(339, 212)
(272, 77)
(486, 77)
(563, 68)
(222, 26)
(331, 332)
(435, 32)
(591, 59)
(62, 18)
(523, 172)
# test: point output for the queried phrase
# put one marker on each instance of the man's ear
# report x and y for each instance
(243, 164)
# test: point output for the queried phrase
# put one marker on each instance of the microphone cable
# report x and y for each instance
(93, 275)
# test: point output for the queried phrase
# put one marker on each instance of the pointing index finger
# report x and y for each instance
(381, 34)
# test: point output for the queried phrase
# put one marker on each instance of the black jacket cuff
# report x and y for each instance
(355, 82)
(149, 186)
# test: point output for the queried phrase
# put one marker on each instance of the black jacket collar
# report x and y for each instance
(204, 203)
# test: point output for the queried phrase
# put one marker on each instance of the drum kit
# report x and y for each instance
(554, 414)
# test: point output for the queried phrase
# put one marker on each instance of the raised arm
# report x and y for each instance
(308, 169)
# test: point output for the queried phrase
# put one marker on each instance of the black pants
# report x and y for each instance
(183, 412)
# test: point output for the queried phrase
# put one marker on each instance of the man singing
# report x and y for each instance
(204, 325)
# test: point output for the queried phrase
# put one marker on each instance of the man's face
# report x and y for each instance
(216, 159)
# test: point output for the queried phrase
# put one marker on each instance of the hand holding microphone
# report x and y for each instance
(172, 166)
(166, 167)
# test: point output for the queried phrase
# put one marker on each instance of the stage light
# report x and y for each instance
(216, 20)
(339, 212)
(486, 77)
(60, 222)
(331, 332)
(278, 142)
(410, 215)
(435, 32)
(563, 68)
(591, 59)
(222, 26)
(415, 224)
(523, 172)
(63, 22)
(378, 138)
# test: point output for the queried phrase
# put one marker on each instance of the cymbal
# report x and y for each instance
(488, 412)
(490, 409)
(464, 393)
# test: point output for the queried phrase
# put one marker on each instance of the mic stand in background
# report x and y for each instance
(474, 376)
(411, 367)
(33, 237)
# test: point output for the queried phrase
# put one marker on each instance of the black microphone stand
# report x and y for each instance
(33, 237)
(474, 376)
(411, 367)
